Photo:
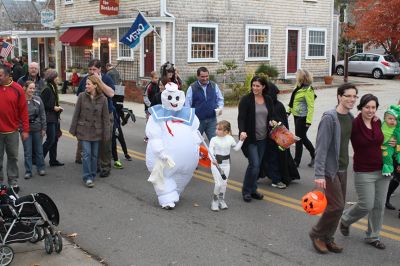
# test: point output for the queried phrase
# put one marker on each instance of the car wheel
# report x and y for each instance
(377, 73)
(340, 71)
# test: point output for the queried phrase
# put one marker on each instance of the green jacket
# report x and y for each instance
(303, 104)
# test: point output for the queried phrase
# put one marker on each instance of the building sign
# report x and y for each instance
(47, 18)
(109, 7)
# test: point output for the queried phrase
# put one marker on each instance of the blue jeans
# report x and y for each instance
(33, 144)
(209, 126)
(255, 155)
(50, 145)
(90, 152)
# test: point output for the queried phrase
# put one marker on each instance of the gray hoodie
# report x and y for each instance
(327, 146)
(37, 115)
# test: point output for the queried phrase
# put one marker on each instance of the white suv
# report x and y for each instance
(365, 63)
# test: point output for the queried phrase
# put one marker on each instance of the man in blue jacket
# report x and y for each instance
(206, 98)
(94, 68)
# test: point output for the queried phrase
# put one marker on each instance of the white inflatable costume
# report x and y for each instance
(172, 152)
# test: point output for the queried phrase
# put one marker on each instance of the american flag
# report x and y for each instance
(6, 48)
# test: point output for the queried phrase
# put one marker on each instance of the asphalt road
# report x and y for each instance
(120, 222)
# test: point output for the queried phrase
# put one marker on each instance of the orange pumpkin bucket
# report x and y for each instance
(204, 160)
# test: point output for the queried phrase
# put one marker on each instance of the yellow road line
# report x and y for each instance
(268, 195)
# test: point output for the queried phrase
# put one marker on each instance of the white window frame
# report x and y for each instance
(68, 2)
(308, 43)
(123, 58)
(202, 25)
(255, 26)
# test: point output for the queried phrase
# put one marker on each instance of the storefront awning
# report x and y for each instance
(78, 37)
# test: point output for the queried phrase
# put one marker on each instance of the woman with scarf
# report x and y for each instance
(301, 105)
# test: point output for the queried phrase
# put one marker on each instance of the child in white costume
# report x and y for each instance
(220, 147)
(172, 152)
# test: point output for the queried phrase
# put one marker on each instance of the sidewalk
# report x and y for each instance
(230, 113)
(35, 255)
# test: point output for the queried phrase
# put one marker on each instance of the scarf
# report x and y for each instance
(373, 134)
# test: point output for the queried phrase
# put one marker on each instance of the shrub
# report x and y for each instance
(268, 70)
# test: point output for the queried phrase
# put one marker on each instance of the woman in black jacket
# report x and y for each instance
(255, 111)
(49, 97)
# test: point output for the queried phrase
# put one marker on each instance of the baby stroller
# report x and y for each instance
(27, 218)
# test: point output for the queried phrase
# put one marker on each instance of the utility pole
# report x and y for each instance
(57, 43)
(346, 65)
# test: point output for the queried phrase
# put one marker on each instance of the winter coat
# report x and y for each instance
(50, 100)
(37, 115)
(247, 120)
(91, 119)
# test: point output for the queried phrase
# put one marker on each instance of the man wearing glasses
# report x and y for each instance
(331, 161)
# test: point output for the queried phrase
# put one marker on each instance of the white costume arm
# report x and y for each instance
(236, 146)
(154, 133)
(195, 127)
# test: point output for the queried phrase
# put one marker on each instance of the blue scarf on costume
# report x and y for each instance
(159, 113)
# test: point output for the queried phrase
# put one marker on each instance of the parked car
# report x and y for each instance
(375, 64)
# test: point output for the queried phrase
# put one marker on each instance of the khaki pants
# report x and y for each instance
(371, 190)
(336, 195)
(9, 144)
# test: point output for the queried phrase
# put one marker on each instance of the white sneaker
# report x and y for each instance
(215, 205)
(222, 204)
(168, 206)
(89, 183)
(279, 185)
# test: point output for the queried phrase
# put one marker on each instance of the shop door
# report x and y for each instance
(104, 55)
(292, 51)
(148, 54)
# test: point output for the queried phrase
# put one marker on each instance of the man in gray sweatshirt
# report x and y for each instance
(331, 162)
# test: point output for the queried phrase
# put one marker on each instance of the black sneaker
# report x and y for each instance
(104, 173)
(257, 196)
(389, 206)
(128, 157)
(345, 230)
(311, 164)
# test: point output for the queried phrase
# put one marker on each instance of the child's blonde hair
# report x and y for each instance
(226, 126)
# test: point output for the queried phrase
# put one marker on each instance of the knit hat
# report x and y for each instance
(391, 112)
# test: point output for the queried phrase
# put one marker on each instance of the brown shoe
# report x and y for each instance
(332, 247)
(319, 245)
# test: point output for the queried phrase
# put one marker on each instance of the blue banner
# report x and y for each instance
(139, 30)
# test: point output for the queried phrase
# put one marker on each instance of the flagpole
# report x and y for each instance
(154, 30)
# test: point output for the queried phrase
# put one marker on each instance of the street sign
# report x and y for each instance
(47, 18)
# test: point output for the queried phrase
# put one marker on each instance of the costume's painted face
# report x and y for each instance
(172, 98)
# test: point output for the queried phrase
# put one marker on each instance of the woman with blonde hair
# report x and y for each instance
(90, 124)
(301, 105)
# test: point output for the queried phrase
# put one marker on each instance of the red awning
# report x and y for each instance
(78, 37)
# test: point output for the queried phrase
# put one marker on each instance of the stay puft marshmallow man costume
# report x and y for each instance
(172, 152)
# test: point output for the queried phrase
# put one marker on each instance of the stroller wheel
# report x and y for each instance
(37, 236)
(48, 243)
(57, 241)
(6, 255)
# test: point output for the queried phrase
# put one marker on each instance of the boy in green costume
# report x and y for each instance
(391, 131)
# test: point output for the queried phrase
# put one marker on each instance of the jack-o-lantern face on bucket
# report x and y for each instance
(172, 98)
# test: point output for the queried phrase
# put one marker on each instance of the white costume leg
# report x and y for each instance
(169, 195)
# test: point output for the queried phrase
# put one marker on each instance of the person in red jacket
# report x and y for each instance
(13, 113)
